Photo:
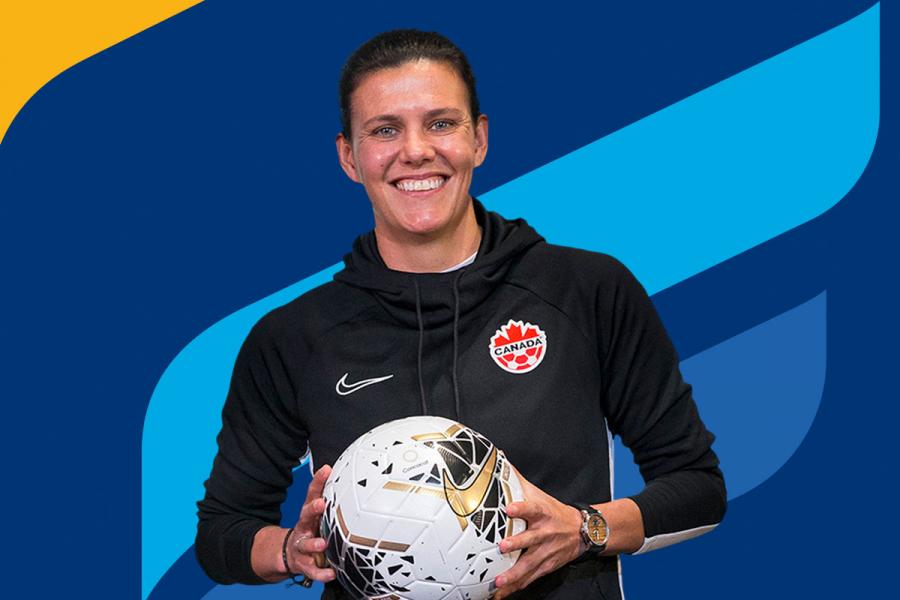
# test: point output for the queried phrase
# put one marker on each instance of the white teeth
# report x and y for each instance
(420, 185)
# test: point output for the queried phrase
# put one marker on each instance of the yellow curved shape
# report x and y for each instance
(39, 39)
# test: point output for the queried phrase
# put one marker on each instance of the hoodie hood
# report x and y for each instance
(502, 242)
(436, 302)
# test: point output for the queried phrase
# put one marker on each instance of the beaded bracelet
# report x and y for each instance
(304, 580)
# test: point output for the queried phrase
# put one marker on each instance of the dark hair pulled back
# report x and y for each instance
(397, 47)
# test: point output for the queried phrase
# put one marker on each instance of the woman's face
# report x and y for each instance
(414, 146)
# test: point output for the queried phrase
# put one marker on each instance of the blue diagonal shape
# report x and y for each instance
(671, 195)
(758, 392)
(722, 171)
(180, 428)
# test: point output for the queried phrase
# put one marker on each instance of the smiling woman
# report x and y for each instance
(450, 310)
(414, 146)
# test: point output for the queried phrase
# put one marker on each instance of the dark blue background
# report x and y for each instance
(188, 171)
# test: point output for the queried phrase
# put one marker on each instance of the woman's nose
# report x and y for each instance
(416, 147)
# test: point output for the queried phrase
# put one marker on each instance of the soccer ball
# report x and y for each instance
(415, 509)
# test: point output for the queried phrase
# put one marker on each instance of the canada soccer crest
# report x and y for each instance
(518, 347)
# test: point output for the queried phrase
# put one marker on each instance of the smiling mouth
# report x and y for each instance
(420, 185)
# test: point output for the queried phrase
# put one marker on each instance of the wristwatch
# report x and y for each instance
(594, 528)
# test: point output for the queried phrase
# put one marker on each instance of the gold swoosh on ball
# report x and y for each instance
(465, 501)
(438, 435)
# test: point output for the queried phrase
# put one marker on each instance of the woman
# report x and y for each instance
(424, 314)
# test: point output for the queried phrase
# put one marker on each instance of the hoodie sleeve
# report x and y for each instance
(261, 441)
(651, 408)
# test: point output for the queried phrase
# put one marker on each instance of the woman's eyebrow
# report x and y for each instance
(443, 111)
(435, 112)
(381, 119)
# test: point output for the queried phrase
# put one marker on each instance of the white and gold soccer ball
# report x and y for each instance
(415, 510)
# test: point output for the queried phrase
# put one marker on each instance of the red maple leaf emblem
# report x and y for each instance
(515, 332)
(518, 347)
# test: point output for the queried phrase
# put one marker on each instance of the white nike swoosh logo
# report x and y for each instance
(343, 388)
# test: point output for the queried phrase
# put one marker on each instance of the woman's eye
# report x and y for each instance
(385, 131)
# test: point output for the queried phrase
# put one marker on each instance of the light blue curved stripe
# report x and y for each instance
(670, 195)
(263, 592)
(758, 393)
(180, 429)
(721, 171)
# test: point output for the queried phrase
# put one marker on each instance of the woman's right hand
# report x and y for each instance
(305, 549)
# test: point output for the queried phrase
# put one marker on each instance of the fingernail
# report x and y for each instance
(499, 581)
(503, 547)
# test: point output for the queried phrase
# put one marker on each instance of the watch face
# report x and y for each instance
(596, 529)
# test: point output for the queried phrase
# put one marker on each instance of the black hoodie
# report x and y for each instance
(600, 364)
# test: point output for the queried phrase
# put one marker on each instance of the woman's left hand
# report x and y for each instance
(552, 539)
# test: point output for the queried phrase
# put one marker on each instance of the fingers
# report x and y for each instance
(548, 543)
(305, 556)
(309, 568)
(523, 572)
(308, 523)
(317, 485)
(529, 567)
(324, 575)
(517, 577)
(519, 542)
(309, 517)
(544, 543)
(525, 510)
(310, 545)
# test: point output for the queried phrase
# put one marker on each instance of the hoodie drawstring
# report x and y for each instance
(456, 340)
(421, 342)
(455, 344)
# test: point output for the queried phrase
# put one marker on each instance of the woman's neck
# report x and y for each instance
(425, 254)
